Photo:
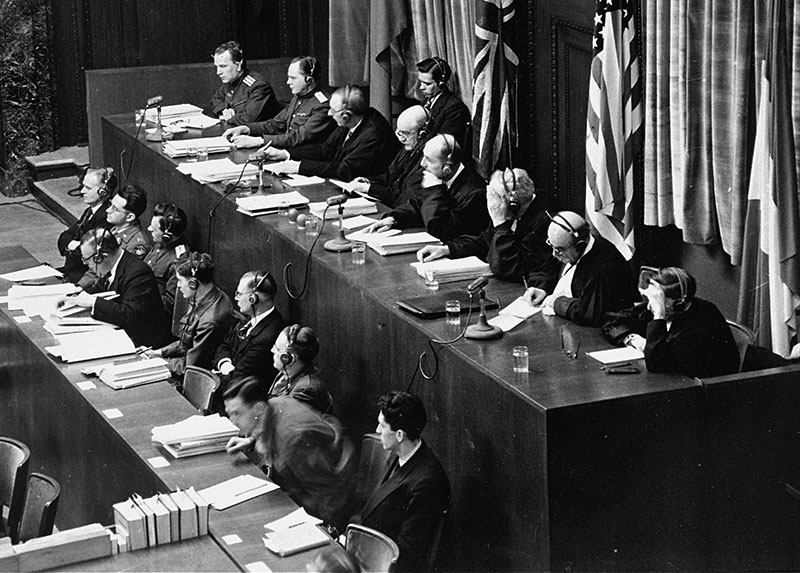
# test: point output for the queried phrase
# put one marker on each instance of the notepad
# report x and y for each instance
(296, 539)
(616, 355)
(236, 490)
(33, 273)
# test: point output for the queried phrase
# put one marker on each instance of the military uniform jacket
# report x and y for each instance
(249, 96)
(202, 330)
(134, 239)
(304, 121)
(73, 264)
(163, 260)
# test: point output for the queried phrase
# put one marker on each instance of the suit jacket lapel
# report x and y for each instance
(387, 487)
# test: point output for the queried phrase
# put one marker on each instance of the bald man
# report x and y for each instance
(452, 200)
(404, 176)
(595, 278)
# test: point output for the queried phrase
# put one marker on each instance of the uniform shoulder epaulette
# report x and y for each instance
(321, 97)
(249, 80)
(180, 250)
(140, 250)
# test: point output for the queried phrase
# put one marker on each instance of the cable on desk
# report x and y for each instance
(22, 204)
(287, 269)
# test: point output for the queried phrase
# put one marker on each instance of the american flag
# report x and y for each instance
(614, 124)
(494, 91)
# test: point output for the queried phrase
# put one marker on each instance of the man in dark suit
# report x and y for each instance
(97, 188)
(448, 112)
(362, 145)
(411, 499)
(137, 309)
(452, 200)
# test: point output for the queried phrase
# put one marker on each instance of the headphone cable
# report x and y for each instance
(287, 269)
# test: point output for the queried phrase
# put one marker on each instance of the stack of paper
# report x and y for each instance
(394, 244)
(353, 207)
(38, 300)
(216, 170)
(264, 204)
(295, 180)
(616, 356)
(90, 345)
(32, 274)
(297, 517)
(451, 270)
(134, 373)
(195, 435)
(57, 325)
(178, 114)
(180, 147)
(514, 314)
(236, 490)
(296, 539)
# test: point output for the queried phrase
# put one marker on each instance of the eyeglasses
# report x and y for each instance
(334, 112)
(403, 134)
(557, 250)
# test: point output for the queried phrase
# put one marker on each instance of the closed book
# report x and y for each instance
(161, 514)
(8, 557)
(174, 515)
(130, 518)
(149, 519)
(64, 547)
(188, 514)
(202, 510)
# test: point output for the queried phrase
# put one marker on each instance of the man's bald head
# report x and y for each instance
(409, 125)
(567, 234)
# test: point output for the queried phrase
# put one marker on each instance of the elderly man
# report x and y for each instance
(304, 121)
(515, 243)
(404, 176)
(362, 144)
(452, 200)
(594, 279)
(244, 96)
(448, 112)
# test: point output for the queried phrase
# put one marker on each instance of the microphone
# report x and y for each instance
(154, 101)
(477, 284)
(257, 156)
(336, 199)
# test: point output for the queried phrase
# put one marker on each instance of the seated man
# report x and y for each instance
(246, 349)
(244, 96)
(403, 178)
(415, 492)
(515, 243)
(452, 201)
(362, 144)
(293, 355)
(677, 331)
(97, 188)
(245, 404)
(123, 214)
(306, 120)
(595, 277)
(137, 309)
(308, 455)
(167, 227)
(207, 320)
(448, 112)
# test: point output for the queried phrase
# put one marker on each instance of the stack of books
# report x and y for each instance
(195, 435)
(161, 519)
(255, 205)
(57, 550)
(180, 147)
(130, 373)
(389, 243)
(451, 270)
(216, 170)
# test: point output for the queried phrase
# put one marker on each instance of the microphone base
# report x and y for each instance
(483, 331)
(157, 136)
(338, 245)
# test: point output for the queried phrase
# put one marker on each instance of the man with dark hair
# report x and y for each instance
(245, 404)
(411, 499)
(137, 309)
(208, 319)
(594, 279)
(304, 121)
(167, 228)
(362, 145)
(452, 200)
(293, 356)
(244, 96)
(123, 213)
(448, 112)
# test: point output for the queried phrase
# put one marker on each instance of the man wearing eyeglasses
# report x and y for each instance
(595, 278)
(362, 145)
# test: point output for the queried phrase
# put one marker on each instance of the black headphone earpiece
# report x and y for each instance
(100, 254)
(291, 336)
(513, 200)
(169, 219)
(193, 283)
(253, 298)
(448, 159)
(680, 304)
(311, 62)
(437, 64)
(423, 131)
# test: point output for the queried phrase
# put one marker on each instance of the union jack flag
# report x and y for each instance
(494, 90)
(614, 124)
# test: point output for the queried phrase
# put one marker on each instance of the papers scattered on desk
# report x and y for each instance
(296, 539)
(255, 205)
(194, 120)
(616, 355)
(195, 435)
(297, 517)
(236, 490)
(351, 188)
(134, 373)
(180, 147)
(91, 345)
(513, 314)
(367, 237)
(70, 325)
(295, 180)
(31, 274)
(216, 170)
(451, 270)
(353, 207)
(356, 222)
(181, 115)
(38, 300)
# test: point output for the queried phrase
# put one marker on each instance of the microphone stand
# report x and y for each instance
(158, 135)
(340, 244)
(483, 330)
(228, 190)
(260, 188)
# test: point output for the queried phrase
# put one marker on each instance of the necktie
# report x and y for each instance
(84, 219)
(393, 464)
(103, 283)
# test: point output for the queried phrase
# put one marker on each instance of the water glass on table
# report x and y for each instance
(452, 309)
(359, 252)
(520, 356)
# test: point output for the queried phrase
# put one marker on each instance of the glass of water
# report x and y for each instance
(520, 355)
(452, 310)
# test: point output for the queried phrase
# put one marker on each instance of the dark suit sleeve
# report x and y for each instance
(469, 245)
(261, 99)
(455, 120)
(407, 214)
(594, 301)
(445, 218)
(218, 101)
(129, 307)
(66, 237)
(422, 515)
(315, 127)
(357, 162)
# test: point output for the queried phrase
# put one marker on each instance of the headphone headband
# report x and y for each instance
(566, 225)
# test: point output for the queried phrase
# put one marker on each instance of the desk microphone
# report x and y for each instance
(336, 200)
(257, 156)
(477, 284)
(154, 101)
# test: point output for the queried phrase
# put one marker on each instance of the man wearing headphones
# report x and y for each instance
(123, 213)
(403, 177)
(305, 120)
(246, 349)
(677, 331)
(515, 243)
(293, 355)
(244, 96)
(362, 145)
(97, 188)
(167, 227)
(452, 200)
(594, 279)
(208, 319)
(137, 309)
(448, 112)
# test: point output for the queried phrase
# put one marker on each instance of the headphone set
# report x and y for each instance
(567, 226)
(448, 159)
(311, 63)
(346, 97)
(300, 350)
(253, 297)
(169, 220)
(443, 70)
(511, 191)
(192, 282)
(680, 304)
(424, 129)
(103, 244)
(291, 337)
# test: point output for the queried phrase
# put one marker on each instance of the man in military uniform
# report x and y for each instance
(244, 96)
(167, 228)
(126, 208)
(305, 120)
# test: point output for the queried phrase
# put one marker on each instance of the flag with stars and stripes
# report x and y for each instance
(494, 91)
(613, 124)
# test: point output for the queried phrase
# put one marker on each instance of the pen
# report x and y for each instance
(265, 147)
(32, 283)
(525, 282)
